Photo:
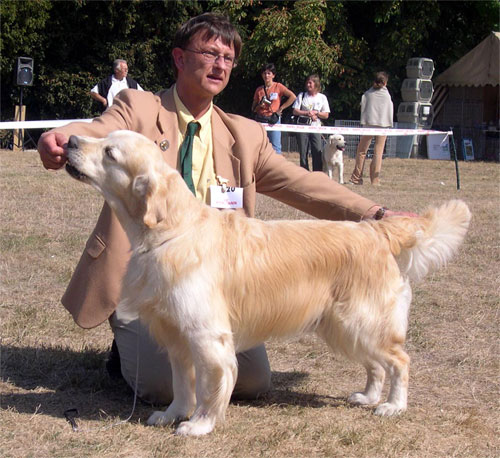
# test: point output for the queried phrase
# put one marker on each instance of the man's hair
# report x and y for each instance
(380, 80)
(117, 63)
(315, 79)
(269, 67)
(212, 26)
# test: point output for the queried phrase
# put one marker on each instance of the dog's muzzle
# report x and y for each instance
(72, 148)
(74, 172)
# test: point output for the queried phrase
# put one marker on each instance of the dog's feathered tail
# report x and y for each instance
(428, 242)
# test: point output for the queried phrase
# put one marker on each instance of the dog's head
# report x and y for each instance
(125, 168)
(337, 142)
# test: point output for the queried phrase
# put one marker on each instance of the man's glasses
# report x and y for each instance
(211, 57)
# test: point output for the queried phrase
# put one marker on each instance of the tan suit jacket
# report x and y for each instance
(242, 154)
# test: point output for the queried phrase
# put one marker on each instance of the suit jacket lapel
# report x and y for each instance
(226, 165)
(168, 127)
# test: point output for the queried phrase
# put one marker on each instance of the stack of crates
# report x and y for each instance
(417, 113)
(416, 109)
(416, 92)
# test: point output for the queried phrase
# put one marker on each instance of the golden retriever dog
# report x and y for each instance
(333, 156)
(210, 283)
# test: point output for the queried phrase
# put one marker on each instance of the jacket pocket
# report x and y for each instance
(95, 246)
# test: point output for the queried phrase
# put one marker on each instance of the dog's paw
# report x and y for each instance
(361, 399)
(387, 409)
(195, 428)
(163, 418)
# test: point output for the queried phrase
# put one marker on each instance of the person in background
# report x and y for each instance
(376, 111)
(267, 100)
(105, 91)
(205, 50)
(311, 107)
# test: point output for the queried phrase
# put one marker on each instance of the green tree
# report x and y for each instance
(383, 35)
(290, 35)
(73, 44)
(22, 26)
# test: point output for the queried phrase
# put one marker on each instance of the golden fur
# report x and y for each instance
(211, 283)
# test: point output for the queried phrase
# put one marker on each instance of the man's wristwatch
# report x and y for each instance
(379, 214)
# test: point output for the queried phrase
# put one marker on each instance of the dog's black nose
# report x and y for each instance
(73, 142)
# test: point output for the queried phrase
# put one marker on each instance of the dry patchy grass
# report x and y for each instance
(49, 365)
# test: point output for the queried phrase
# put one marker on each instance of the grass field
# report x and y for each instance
(49, 365)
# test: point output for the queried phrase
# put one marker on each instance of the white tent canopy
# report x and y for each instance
(479, 67)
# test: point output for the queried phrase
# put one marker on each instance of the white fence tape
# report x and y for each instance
(352, 130)
(12, 125)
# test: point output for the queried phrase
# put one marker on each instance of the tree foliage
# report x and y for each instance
(73, 44)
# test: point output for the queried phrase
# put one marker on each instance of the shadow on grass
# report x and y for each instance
(51, 380)
(282, 394)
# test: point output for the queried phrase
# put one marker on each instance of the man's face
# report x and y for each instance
(122, 71)
(196, 71)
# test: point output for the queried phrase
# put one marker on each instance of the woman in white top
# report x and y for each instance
(311, 107)
(376, 111)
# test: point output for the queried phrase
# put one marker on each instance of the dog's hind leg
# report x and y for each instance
(374, 384)
(340, 339)
(393, 357)
(216, 372)
(397, 363)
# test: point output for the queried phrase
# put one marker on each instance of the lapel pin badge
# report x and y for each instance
(222, 182)
(164, 144)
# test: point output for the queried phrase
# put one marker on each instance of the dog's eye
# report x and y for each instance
(108, 151)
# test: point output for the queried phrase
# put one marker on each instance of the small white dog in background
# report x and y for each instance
(333, 156)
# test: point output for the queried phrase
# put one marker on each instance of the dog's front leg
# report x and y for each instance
(216, 372)
(183, 384)
(341, 173)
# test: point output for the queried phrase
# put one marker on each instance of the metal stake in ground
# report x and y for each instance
(456, 158)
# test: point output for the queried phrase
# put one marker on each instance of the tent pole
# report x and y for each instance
(456, 158)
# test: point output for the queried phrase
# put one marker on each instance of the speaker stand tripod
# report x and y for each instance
(20, 136)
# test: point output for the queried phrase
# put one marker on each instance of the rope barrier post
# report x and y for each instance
(456, 158)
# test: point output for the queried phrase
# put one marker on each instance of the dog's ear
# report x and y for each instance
(153, 194)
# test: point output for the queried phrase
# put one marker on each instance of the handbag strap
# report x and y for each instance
(300, 97)
(269, 88)
(267, 97)
(265, 92)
